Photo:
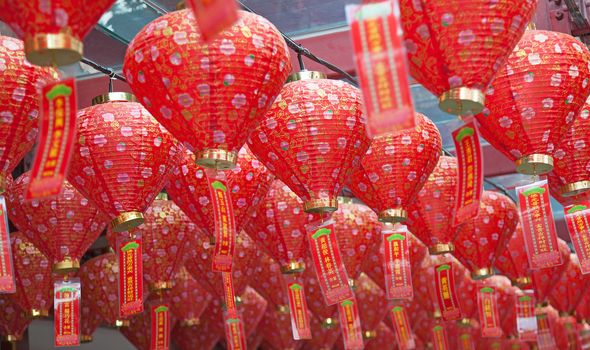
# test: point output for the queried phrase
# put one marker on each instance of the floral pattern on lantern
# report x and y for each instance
(201, 337)
(315, 298)
(395, 168)
(188, 300)
(513, 261)
(268, 281)
(138, 330)
(372, 304)
(385, 337)
(544, 280)
(90, 319)
(567, 293)
(210, 95)
(467, 296)
(277, 331)
(311, 138)
(13, 320)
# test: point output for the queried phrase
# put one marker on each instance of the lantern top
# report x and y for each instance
(114, 97)
(305, 75)
(47, 49)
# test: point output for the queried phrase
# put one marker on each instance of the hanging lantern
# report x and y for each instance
(34, 285)
(395, 168)
(252, 310)
(446, 42)
(327, 315)
(482, 239)
(164, 235)
(535, 97)
(513, 261)
(210, 95)
(277, 331)
(188, 300)
(137, 330)
(583, 309)
(62, 228)
(312, 137)
(121, 158)
(19, 116)
(544, 280)
(269, 283)
(567, 293)
(323, 336)
(89, 319)
(467, 293)
(384, 337)
(13, 320)
(201, 337)
(53, 31)
(372, 305)
(431, 214)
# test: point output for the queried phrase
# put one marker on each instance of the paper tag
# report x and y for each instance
(234, 333)
(578, 224)
(403, 331)
(439, 337)
(213, 16)
(380, 57)
(160, 326)
(350, 325)
(129, 253)
(7, 281)
(229, 295)
(545, 340)
(397, 267)
(466, 339)
(299, 314)
(56, 137)
(526, 320)
(225, 226)
(328, 264)
(66, 301)
(470, 184)
(446, 292)
(489, 319)
(538, 226)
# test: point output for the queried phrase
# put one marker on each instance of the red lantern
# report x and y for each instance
(535, 97)
(513, 261)
(395, 168)
(121, 158)
(277, 331)
(481, 240)
(62, 228)
(431, 214)
(316, 303)
(210, 95)
(249, 181)
(583, 309)
(89, 319)
(373, 305)
(383, 340)
(269, 283)
(188, 299)
(34, 285)
(544, 280)
(567, 293)
(53, 31)
(137, 330)
(202, 337)
(312, 137)
(455, 51)
(323, 336)
(19, 115)
(252, 310)
(467, 295)
(13, 320)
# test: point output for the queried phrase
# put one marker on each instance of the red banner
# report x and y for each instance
(537, 223)
(446, 292)
(328, 264)
(234, 334)
(7, 282)
(526, 320)
(380, 58)
(403, 331)
(129, 253)
(229, 295)
(66, 302)
(578, 225)
(470, 184)
(225, 226)
(56, 137)
(466, 339)
(160, 327)
(545, 340)
(350, 325)
(299, 314)
(397, 267)
(489, 318)
(439, 337)
(213, 16)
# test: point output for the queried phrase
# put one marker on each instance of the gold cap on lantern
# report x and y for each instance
(369, 334)
(159, 286)
(329, 323)
(462, 101)
(38, 313)
(464, 322)
(482, 273)
(181, 5)
(393, 215)
(12, 338)
(190, 322)
(121, 323)
(441, 248)
(2, 184)
(283, 309)
(66, 266)
(51, 49)
(85, 338)
(522, 281)
(127, 221)
(535, 164)
(292, 268)
(320, 205)
(575, 188)
(216, 158)
(162, 196)
(113, 97)
(305, 75)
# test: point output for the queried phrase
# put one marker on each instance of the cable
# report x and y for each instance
(104, 70)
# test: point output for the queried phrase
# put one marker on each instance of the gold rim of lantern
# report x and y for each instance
(370, 334)
(216, 158)
(84, 338)
(329, 323)
(50, 49)
(436, 314)
(2, 184)
(565, 314)
(160, 286)
(393, 215)
(441, 248)
(352, 284)
(293, 267)
(66, 266)
(535, 164)
(11, 338)
(522, 281)
(162, 196)
(541, 305)
(482, 273)
(127, 221)
(575, 188)
(464, 322)
(181, 5)
(189, 322)
(122, 323)
(113, 97)
(320, 205)
(306, 75)
(38, 313)
(462, 101)
(283, 309)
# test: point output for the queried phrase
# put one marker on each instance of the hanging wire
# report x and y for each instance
(108, 71)
(300, 59)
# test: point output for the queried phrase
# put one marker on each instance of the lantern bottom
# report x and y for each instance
(189, 322)
(522, 281)
(464, 322)
(113, 97)
(306, 75)
(575, 188)
(441, 248)
(292, 268)
(66, 266)
(160, 286)
(535, 164)
(329, 323)
(12, 338)
(121, 323)
(564, 314)
(541, 305)
(367, 335)
(393, 215)
(482, 273)
(84, 338)
(283, 309)
(127, 221)
(2, 184)
(321, 205)
(462, 101)
(216, 158)
(38, 313)
(53, 49)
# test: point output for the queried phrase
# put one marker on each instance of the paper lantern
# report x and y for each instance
(316, 303)
(19, 115)
(312, 137)
(395, 168)
(62, 228)
(13, 320)
(535, 97)
(188, 187)
(209, 95)
(322, 336)
(583, 309)
(372, 305)
(200, 337)
(252, 310)
(268, 281)
(454, 50)
(121, 158)
(481, 240)
(544, 280)
(278, 226)
(32, 271)
(513, 261)
(89, 319)
(188, 300)
(53, 31)
(431, 214)
(277, 331)
(383, 339)
(165, 235)
(138, 329)
(467, 295)
(567, 293)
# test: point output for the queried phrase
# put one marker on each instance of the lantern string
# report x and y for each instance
(107, 71)
(300, 59)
